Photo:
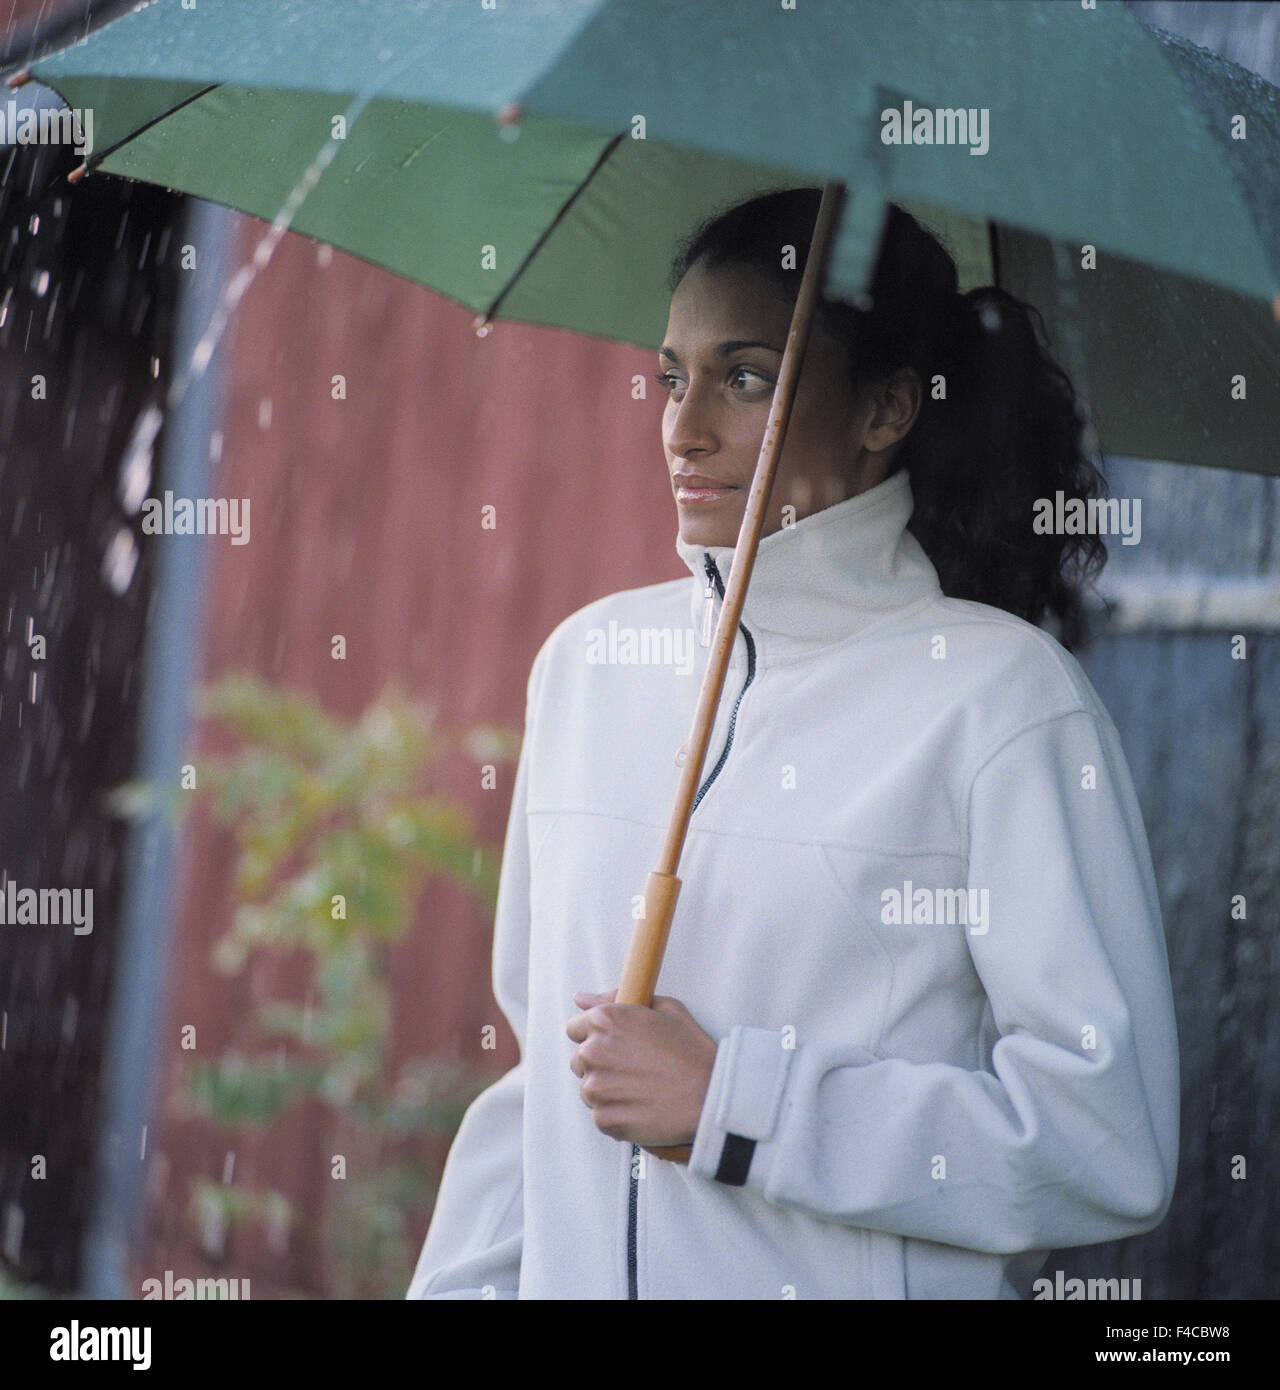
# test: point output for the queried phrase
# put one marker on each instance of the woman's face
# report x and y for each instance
(720, 359)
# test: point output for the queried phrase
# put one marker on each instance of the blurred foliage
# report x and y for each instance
(11, 1287)
(338, 834)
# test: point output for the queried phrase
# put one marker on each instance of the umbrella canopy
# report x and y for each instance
(1053, 129)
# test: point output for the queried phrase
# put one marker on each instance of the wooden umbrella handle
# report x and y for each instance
(649, 936)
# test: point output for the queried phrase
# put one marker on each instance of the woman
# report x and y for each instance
(919, 1028)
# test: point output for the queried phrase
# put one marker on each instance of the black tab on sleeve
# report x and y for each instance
(735, 1160)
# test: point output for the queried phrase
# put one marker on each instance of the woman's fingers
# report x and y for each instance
(584, 999)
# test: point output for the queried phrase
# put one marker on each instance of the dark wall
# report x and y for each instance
(89, 284)
(1201, 730)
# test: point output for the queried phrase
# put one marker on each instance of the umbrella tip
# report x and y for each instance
(18, 79)
(510, 114)
(78, 173)
(483, 325)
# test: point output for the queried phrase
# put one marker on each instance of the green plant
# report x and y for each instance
(338, 835)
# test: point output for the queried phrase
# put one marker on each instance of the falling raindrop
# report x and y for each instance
(14, 1220)
(86, 715)
(40, 284)
(120, 561)
(277, 1216)
(136, 467)
(213, 1228)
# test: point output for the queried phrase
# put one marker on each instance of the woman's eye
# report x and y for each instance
(760, 379)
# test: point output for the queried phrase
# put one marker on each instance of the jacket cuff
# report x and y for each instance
(741, 1109)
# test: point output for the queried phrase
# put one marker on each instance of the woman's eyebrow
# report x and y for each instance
(725, 348)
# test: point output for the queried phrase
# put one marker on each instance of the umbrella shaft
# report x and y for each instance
(649, 936)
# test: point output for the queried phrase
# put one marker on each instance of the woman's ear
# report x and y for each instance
(896, 402)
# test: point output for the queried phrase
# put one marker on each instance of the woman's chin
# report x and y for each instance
(710, 531)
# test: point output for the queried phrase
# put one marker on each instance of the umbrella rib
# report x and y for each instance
(98, 157)
(537, 246)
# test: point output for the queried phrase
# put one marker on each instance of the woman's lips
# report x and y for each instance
(697, 491)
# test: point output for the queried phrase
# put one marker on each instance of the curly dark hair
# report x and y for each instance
(1007, 431)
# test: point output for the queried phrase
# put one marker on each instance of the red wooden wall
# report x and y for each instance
(366, 521)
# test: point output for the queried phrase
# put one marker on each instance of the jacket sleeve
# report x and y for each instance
(473, 1246)
(1072, 1137)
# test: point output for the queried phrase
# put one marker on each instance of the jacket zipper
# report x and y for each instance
(633, 1195)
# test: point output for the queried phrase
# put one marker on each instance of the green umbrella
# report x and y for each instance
(370, 124)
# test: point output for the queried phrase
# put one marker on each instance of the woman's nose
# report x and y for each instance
(690, 424)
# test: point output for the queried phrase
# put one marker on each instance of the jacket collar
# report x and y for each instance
(827, 576)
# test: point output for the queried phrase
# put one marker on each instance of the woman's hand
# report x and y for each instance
(645, 1072)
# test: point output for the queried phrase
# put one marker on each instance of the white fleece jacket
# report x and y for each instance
(918, 915)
